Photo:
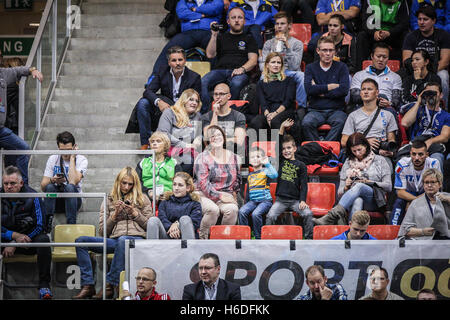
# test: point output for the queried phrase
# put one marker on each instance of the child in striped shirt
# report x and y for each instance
(258, 198)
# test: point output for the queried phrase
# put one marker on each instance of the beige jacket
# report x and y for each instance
(130, 227)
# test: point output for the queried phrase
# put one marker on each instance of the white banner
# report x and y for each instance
(274, 269)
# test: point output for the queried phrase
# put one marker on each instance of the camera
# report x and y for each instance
(429, 94)
(388, 146)
(217, 27)
(127, 202)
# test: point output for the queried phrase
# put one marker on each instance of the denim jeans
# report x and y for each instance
(155, 228)
(72, 205)
(10, 141)
(186, 40)
(299, 78)
(255, 31)
(359, 197)
(257, 210)
(116, 246)
(281, 205)
(315, 118)
(214, 77)
(148, 117)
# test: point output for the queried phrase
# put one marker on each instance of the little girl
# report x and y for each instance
(180, 212)
(165, 166)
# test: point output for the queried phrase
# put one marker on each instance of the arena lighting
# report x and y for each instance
(34, 24)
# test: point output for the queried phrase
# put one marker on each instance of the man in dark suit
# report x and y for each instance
(210, 286)
(172, 81)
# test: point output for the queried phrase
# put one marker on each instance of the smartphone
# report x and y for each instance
(60, 175)
(127, 202)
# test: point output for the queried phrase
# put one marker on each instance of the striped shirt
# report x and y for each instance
(259, 189)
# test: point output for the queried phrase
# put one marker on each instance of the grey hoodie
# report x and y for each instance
(9, 76)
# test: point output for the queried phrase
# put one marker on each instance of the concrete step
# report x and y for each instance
(121, 20)
(87, 121)
(106, 69)
(149, 30)
(121, 42)
(122, 8)
(106, 108)
(114, 56)
(101, 82)
(122, 95)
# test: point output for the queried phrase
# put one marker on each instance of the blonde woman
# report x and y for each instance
(179, 214)
(276, 95)
(127, 212)
(182, 124)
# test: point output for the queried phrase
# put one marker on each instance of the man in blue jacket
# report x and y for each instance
(326, 84)
(23, 222)
(442, 8)
(358, 228)
(196, 17)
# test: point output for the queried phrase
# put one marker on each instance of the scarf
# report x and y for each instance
(274, 76)
(357, 167)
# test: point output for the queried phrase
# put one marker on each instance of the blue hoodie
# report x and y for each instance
(190, 20)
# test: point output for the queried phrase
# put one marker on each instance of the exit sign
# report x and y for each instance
(18, 4)
(16, 46)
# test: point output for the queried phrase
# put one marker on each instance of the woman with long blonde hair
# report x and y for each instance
(182, 124)
(127, 212)
(179, 214)
(276, 95)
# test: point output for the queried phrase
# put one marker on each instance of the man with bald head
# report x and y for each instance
(230, 120)
(145, 287)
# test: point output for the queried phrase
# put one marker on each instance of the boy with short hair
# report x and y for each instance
(258, 199)
(292, 183)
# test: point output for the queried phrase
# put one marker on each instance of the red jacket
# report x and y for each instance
(154, 296)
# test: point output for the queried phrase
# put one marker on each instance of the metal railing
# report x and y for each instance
(47, 54)
(71, 195)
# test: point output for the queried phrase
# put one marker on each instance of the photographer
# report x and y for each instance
(429, 122)
(236, 54)
(22, 223)
(377, 124)
(69, 179)
(127, 212)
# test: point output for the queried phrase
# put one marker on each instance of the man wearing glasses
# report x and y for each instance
(379, 280)
(210, 286)
(326, 84)
(145, 285)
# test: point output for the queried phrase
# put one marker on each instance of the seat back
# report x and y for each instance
(68, 233)
(335, 145)
(327, 232)
(302, 32)
(237, 103)
(383, 232)
(320, 197)
(201, 67)
(235, 232)
(394, 65)
(281, 232)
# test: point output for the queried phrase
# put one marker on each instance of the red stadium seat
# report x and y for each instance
(328, 231)
(302, 32)
(276, 232)
(320, 197)
(383, 232)
(325, 171)
(269, 147)
(324, 127)
(235, 232)
(394, 65)
(403, 133)
(237, 103)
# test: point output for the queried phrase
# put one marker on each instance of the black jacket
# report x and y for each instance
(23, 215)
(225, 291)
(163, 80)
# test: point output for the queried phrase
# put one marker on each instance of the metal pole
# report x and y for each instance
(68, 21)
(38, 89)
(104, 246)
(21, 117)
(54, 38)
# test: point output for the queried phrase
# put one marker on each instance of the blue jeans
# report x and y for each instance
(359, 197)
(148, 117)
(398, 212)
(440, 157)
(315, 118)
(255, 31)
(214, 77)
(72, 205)
(299, 78)
(10, 141)
(257, 210)
(186, 40)
(116, 246)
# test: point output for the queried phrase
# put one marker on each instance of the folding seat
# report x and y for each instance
(235, 232)
(281, 232)
(327, 232)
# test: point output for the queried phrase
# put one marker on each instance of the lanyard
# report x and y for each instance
(431, 119)
(429, 206)
(158, 169)
(336, 5)
(417, 183)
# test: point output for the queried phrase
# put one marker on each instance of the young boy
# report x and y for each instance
(292, 183)
(259, 199)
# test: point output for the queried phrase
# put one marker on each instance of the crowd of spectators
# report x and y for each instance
(199, 132)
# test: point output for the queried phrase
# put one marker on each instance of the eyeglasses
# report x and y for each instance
(327, 50)
(220, 94)
(430, 182)
(144, 279)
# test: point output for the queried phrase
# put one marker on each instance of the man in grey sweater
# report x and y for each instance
(292, 51)
(9, 140)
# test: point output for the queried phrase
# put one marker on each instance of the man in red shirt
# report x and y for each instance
(145, 285)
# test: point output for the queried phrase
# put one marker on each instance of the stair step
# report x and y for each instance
(121, 20)
(114, 56)
(106, 69)
(123, 95)
(99, 107)
(101, 82)
(83, 120)
(119, 43)
(151, 30)
(122, 8)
